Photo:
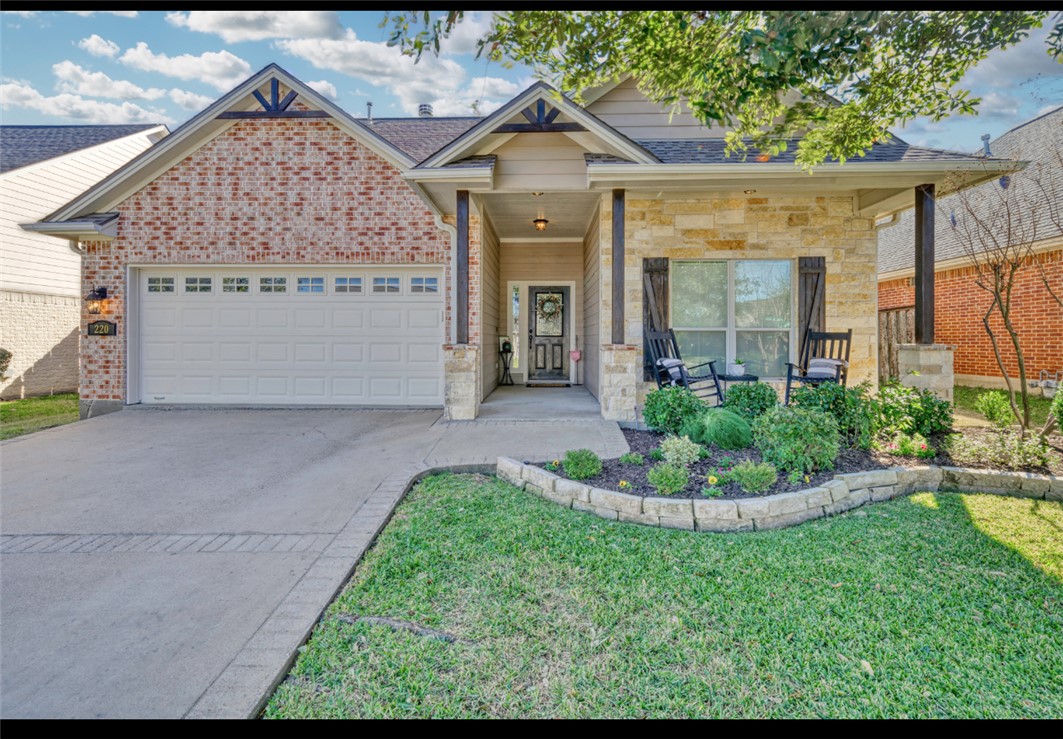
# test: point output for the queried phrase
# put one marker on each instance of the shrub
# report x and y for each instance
(750, 400)
(632, 458)
(668, 479)
(711, 491)
(1001, 449)
(668, 408)
(754, 477)
(582, 464)
(721, 427)
(680, 450)
(908, 410)
(996, 408)
(5, 363)
(851, 407)
(914, 445)
(795, 439)
(656, 455)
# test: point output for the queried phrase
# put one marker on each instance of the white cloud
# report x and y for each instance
(80, 81)
(119, 13)
(75, 107)
(325, 87)
(465, 35)
(255, 25)
(99, 46)
(20, 13)
(221, 69)
(190, 100)
(1013, 66)
(998, 105)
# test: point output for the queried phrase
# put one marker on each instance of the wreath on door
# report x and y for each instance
(548, 306)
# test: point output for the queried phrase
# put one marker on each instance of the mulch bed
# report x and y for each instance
(850, 460)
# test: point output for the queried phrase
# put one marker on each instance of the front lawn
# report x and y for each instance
(935, 605)
(965, 399)
(19, 417)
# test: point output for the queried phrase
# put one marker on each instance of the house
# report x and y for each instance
(276, 250)
(41, 168)
(960, 304)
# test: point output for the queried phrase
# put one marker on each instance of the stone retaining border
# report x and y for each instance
(843, 493)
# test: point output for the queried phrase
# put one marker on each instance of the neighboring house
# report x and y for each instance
(275, 250)
(41, 168)
(960, 304)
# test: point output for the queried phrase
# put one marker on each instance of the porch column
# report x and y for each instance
(620, 372)
(461, 288)
(618, 266)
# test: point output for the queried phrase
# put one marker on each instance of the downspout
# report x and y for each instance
(437, 215)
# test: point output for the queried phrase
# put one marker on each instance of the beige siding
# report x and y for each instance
(630, 112)
(37, 263)
(489, 307)
(591, 309)
(540, 161)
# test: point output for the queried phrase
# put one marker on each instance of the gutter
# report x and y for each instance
(76, 230)
(781, 170)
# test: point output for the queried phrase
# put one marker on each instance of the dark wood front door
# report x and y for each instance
(548, 334)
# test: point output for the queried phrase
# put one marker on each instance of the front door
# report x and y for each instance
(548, 334)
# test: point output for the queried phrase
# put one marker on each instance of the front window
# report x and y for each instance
(728, 310)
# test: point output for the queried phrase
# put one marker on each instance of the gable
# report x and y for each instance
(631, 113)
(540, 161)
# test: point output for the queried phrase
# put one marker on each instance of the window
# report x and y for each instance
(386, 284)
(235, 284)
(348, 284)
(424, 284)
(198, 284)
(160, 284)
(739, 309)
(273, 284)
(315, 285)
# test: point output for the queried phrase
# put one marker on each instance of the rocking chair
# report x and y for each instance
(824, 358)
(670, 369)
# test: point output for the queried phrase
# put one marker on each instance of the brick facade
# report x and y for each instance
(959, 306)
(265, 191)
(41, 332)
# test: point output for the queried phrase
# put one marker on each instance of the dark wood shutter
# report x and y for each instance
(654, 305)
(811, 288)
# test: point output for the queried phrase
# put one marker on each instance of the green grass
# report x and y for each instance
(966, 397)
(936, 605)
(19, 417)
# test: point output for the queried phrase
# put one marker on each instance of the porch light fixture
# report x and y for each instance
(96, 300)
(536, 194)
(540, 224)
(749, 192)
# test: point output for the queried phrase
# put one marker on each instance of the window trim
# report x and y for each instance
(324, 285)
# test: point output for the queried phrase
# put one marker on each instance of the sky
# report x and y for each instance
(63, 67)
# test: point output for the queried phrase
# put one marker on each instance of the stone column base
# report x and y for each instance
(620, 375)
(927, 366)
(461, 394)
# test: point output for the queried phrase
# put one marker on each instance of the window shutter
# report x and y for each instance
(654, 305)
(811, 288)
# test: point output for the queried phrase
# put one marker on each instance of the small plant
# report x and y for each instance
(668, 479)
(657, 455)
(726, 461)
(754, 477)
(851, 407)
(624, 485)
(1003, 450)
(632, 458)
(995, 407)
(797, 439)
(750, 400)
(668, 408)
(553, 466)
(720, 427)
(910, 445)
(582, 464)
(711, 491)
(680, 450)
(5, 363)
(794, 478)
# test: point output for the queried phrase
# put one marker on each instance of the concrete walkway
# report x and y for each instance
(169, 563)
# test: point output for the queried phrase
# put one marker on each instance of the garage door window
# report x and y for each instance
(198, 284)
(273, 284)
(387, 285)
(348, 284)
(235, 285)
(424, 284)
(160, 284)
(310, 285)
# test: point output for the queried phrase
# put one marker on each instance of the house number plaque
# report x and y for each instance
(103, 328)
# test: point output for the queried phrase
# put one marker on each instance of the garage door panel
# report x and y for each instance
(424, 353)
(385, 318)
(272, 318)
(272, 351)
(197, 351)
(348, 318)
(197, 318)
(310, 352)
(348, 352)
(229, 352)
(310, 318)
(421, 318)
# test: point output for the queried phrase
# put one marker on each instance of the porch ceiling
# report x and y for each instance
(512, 214)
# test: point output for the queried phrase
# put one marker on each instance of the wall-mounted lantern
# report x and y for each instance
(96, 301)
(540, 224)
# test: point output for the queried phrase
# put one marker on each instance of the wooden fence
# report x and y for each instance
(895, 327)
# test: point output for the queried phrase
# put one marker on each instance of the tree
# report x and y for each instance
(857, 73)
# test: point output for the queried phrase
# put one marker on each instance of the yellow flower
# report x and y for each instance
(807, 478)
(556, 463)
(712, 480)
(625, 484)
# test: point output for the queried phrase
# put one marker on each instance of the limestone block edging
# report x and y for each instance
(843, 493)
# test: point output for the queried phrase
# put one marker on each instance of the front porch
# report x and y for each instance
(520, 403)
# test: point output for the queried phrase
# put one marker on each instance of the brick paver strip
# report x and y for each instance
(162, 543)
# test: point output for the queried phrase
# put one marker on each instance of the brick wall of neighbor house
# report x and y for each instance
(721, 225)
(274, 191)
(959, 306)
(44, 359)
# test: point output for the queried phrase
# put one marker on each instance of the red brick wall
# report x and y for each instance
(270, 191)
(960, 305)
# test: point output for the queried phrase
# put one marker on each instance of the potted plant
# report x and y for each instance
(737, 367)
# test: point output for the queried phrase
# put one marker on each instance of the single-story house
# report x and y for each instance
(41, 169)
(960, 304)
(277, 250)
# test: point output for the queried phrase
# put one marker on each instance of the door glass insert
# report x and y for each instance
(549, 310)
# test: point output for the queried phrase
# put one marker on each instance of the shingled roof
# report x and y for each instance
(421, 137)
(711, 151)
(21, 146)
(1036, 141)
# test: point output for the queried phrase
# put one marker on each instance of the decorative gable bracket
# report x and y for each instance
(539, 121)
(274, 107)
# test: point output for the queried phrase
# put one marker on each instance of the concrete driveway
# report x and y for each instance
(168, 563)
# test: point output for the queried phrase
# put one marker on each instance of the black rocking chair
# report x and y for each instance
(669, 368)
(825, 358)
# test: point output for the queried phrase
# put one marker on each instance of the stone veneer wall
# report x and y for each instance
(41, 332)
(462, 376)
(843, 493)
(724, 225)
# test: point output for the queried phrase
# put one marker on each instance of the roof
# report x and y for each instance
(1036, 140)
(21, 146)
(711, 151)
(421, 137)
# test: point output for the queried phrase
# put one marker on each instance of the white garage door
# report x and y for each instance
(293, 335)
